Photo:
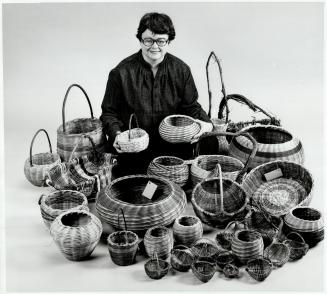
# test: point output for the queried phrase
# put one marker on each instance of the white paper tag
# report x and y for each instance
(277, 173)
(149, 190)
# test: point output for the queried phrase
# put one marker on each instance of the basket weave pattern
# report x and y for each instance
(187, 229)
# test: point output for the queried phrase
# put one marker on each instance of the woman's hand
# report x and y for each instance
(206, 127)
(115, 144)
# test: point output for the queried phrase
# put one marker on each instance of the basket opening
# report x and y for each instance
(44, 158)
(188, 221)
(180, 121)
(122, 238)
(169, 161)
(159, 232)
(248, 236)
(64, 200)
(306, 213)
(209, 163)
(81, 125)
(75, 219)
(267, 135)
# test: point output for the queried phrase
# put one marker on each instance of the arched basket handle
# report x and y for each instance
(64, 103)
(133, 115)
(121, 212)
(32, 143)
(297, 235)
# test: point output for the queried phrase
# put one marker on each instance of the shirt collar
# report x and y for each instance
(146, 64)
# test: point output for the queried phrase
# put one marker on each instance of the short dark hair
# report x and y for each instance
(157, 23)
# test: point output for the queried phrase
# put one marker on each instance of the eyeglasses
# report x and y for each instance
(149, 42)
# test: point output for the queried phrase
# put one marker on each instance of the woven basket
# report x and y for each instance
(159, 240)
(203, 270)
(278, 196)
(134, 139)
(259, 268)
(187, 229)
(205, 248)
(277, 253)
(76, 233)
(306, 221)
(69, 133)
(217, 201)
(224, 238)
(181, 258)
(122, 245)
(156, 268)
(37, 165)
(298, 247)
(141, 213)
(231, 271)
(171, 168)
(224, 258)
(178, 128)
(274, 143)
(247, 244)
(57, 202)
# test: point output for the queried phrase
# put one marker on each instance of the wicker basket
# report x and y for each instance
(298, 247)
(76, 233)
(274, 143)
(259, 268)
(231, 271)
(69, 133)
(178, 128)
(277, 253)
(156, 268)
(224, 238)
(57, 202)
(203, 270)
(205, 247)
(181, 258)
(141, 213)
(171, 168)
(187, 229)
(224, 258)
(306, 221)
(278, 196)
(37, 165)
(122, 245)
(135, 139)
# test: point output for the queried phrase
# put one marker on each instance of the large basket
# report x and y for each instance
(37, 165)
(278, 196)
(57, 202)
(178, 128)
(69, 133)
(134, 139)
(274, 143)
(187, 229)
(167, 203)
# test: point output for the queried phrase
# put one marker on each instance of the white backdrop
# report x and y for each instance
(270, 52)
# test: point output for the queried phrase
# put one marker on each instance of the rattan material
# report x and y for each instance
(76, 233)
(178, 128)
(37, 165)
(298, 247)
(156, 268)
(57, 202)
(224, 238)
(69, 133)
(181, 258)
(259, 268)
(274, 143)
(204, 247)
(224, 258)
(277, 253)
(141, 213)
(203, 270)
(187, 229)
(231, 271)
(169, 167)
(247, 244)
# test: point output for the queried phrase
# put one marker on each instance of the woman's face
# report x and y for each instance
(154, 53)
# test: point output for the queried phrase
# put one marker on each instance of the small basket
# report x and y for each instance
(187, 229)
(298, 247)
(203, 270)
(37, 165)
(123, 245)
(259, 268)
(178, 128)
(156, 268)
(134, 140)
(171, 168)
(277, 253)
(181, 258)
(231, 271)
(224, 238)
(224, 258)
(57, 202)
(205, 248)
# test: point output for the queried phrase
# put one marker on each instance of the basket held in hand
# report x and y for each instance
(259, 268)
(156, 268)
(37, 165)
(297, 245)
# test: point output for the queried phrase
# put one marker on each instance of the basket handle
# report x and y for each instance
(64, 103)
(229, 225)
(213, 56)
(155, 257)
(220, 175)
(133, 115)
(31, 146)
(121, 211)
(40, 199)
(78, 142)
(297, 235)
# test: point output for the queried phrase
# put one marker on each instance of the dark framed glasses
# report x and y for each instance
(149, 42)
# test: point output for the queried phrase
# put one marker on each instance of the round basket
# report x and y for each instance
(57, 202)
(178, 128)
(277, 253)
(37, 165)
(278, 196)
(135, 139)
(203, 270)
(76, 233)
(169, 167)
(181, 258)
(298, 247)
(156, 268)
(231, 271)
(274, 143)
(122, 245)
(187, 229)
(217, 201)
(259, 268)
(69, 133)
(168, 202)
(306, 221)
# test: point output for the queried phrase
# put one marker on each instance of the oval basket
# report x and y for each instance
(187, 229)
(277, 253)
(69, 133)
(37, 165)
(178, 128)
(168, 202)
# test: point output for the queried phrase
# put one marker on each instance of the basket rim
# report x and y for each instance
(247, 230)
(155, 160)
(111, 243)
(187, 216)
(71, 211)
(99, 128)
(149, 231)
(179, 115)
(290, 214)
(144, 135)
